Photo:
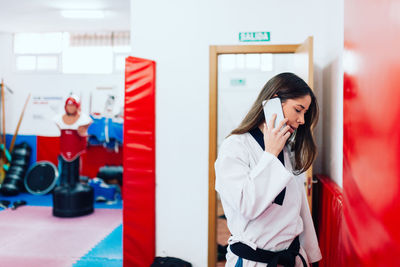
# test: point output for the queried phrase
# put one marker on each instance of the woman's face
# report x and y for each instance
(71, 108)
(294, 110)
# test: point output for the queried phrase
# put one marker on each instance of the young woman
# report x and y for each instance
(259, 176)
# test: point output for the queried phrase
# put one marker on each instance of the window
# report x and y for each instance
(47, 63)
(26, 62)
(234, 62)
(88, 60)
(38, 43)
(32, 63)
(71, 53)
(267, 62)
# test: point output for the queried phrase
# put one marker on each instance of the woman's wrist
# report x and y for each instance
(272, 152)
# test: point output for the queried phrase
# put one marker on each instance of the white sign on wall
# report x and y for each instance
(42, 110)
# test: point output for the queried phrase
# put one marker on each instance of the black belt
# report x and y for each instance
(286, 257)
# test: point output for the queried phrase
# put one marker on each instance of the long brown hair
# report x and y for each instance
(287, 86)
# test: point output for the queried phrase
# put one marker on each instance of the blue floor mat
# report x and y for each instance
(98, 263)
(47, 201)
(107, 253)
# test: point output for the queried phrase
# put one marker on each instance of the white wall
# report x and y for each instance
(2, 66)
(329, 61)
(50, 84)
(177, 34)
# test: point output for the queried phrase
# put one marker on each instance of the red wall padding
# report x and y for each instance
(139, 163)
(98, 156)
(371, 167)
(329, 222)
(48, 148)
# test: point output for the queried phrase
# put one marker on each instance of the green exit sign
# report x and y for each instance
(238, 82)
(254, 36)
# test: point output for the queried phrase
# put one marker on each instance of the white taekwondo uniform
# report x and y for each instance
(248, 179)
(83, 120)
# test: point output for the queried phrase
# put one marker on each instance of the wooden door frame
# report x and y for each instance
(215, 51)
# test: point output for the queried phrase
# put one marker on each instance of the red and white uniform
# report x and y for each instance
(72, 145)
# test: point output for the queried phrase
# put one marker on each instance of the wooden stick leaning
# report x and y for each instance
(3, 112)
(19, 124)
(2, 138)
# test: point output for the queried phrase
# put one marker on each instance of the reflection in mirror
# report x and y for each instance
(240, 79)
(44, 58)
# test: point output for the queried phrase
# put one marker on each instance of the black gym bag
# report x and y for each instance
(169, 262)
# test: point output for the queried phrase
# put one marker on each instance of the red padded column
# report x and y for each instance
(139, 163)
(371, 169)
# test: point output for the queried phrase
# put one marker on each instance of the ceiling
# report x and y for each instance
(45, 15)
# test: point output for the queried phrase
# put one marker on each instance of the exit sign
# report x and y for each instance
(254, 36)
(238, 82)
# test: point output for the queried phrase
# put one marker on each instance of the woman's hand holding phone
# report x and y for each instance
(275, 138)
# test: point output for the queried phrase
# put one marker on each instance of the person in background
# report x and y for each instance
(260, 179)
(72, 198)
(73, 125)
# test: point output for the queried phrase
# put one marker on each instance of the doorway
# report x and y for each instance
(237, 74)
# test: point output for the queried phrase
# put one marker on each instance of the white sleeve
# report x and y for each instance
(308, 238)
(250, 191)
(84, 119)
(58, 121)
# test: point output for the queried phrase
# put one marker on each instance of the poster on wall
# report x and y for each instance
(42, 110)
(106, 102)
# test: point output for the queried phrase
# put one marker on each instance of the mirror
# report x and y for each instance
(237, 74)
(47, 54)
(240, 79)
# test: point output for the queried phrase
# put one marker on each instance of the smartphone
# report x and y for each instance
(273, 106)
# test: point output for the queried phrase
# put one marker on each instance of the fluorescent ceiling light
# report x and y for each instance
(83, 14)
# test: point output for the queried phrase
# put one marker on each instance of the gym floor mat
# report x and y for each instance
(31, 236)
(107, 253)
(47, 201)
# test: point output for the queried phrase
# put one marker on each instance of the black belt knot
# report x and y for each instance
(286, 257)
